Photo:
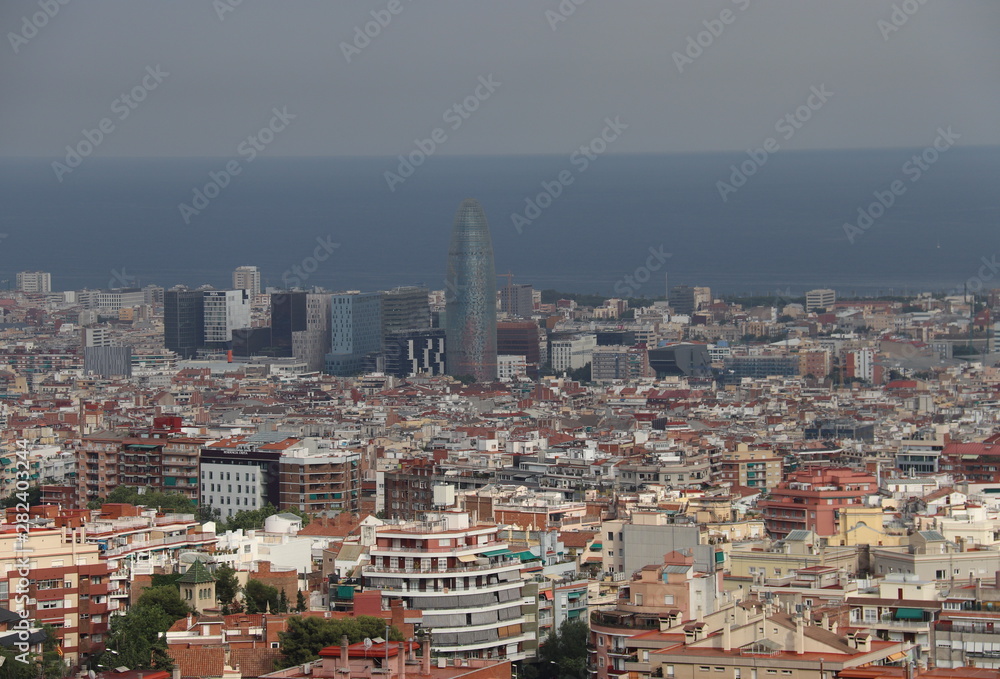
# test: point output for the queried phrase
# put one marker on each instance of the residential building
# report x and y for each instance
(247, 278)
(34, 281)
(758, 468)
(159, 458)
(315, 479)
(68, 587)
(810, 499)
(517, 299)
(462, 576)
(609, 363)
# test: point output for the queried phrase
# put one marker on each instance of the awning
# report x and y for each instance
(140, 446)
(895, 656)
(909, 614)
(526, 556)
(466, 558)
(596, 547)
(547, 593)
(497, 552)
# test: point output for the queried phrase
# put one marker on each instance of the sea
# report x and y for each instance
(617, 224)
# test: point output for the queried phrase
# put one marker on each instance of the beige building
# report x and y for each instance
(68, 587)
(780, 645)
(801, 549)
(752, 468)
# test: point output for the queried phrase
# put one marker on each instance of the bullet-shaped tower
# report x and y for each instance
(471, 297)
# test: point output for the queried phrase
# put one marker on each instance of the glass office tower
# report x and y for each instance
(471, 297)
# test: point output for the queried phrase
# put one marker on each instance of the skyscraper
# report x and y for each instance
(471, 296)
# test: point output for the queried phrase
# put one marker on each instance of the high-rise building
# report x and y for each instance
(517, 300)
(355, 331)
(34, 281)
(247, 278)
(619, 363)
(405, 308)
(471, 296)
(225, 311)
(183, 321)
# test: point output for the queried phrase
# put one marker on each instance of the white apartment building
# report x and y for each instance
(462, 576)
(34, 281)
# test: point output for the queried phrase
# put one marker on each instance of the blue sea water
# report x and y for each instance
(783, 230)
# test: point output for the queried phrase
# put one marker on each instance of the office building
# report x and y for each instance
(247, 278)
(681, 360)
(224, 312)
(471, 296)
(759, 367)
(355, 331)
(823, 299)
(405, 308)
(571, 353)
(34, 281)
(242, 472)
(415, 352)
(183, 321)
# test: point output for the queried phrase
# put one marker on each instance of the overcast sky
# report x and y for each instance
(890, 88)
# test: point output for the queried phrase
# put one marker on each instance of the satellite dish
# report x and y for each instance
(368, 643)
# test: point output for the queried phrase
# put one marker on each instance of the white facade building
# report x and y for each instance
(572, 353)
(225, 311)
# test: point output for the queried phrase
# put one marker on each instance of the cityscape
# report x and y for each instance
(521, 340)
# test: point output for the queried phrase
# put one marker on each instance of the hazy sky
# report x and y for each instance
(552, 88)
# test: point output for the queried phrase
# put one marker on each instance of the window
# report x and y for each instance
(668, 599)
(48, 605)
(611, 536)
(705, 668)
(772, 671)
(668, 670)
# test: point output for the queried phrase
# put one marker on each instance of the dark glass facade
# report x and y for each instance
(471, 296)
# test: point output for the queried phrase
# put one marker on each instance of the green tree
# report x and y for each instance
(53, 666)
(130, 495)
(563, 655)
(161, 579)
(226, 587)
(168, 599)
(305, 637)
(13, 668)
(282, 602)
(300, 602)
(134, 639)
(260, 597)
(580, 374)
(253, 519)
(34, 498)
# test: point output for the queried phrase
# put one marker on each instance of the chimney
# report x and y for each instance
(345, 662)
(425, 655)
(800, 636)
(175, 673)
(401, 660)
(727, 635)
